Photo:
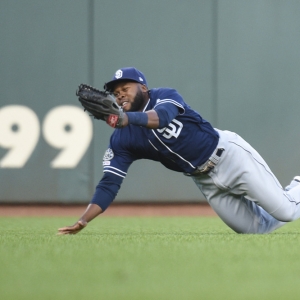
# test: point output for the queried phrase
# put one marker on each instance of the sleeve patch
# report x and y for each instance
(108, 155)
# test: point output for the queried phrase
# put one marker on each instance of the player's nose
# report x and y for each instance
(120, 96)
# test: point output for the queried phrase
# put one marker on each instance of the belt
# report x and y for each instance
(209, 164)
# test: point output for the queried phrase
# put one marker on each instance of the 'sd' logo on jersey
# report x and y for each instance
(108, 155)
(172, 130)
(119, 74)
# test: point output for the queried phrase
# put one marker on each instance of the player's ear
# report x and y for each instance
(144, 88)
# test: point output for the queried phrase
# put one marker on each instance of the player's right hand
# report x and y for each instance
(78, 226)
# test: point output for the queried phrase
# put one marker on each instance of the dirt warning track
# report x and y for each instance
(116, 209)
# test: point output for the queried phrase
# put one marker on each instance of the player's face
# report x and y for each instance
(131, 96)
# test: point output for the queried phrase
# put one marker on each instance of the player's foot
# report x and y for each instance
(297, 178)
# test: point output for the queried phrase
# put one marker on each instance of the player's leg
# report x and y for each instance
(242, 171)
(294, 183)
(239, 213)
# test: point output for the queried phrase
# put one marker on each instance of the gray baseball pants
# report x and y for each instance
(244, 192)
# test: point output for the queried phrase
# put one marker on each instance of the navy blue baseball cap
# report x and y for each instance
(130, 74)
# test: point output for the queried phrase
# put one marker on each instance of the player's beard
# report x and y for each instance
(138, 102)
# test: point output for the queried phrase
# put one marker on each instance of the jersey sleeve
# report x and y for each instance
(106, 190)
(116, 161)
(168, 105)
(168, 96)
(117, 158)
(166, 113)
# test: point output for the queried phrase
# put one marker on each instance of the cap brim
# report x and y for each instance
(108, 86)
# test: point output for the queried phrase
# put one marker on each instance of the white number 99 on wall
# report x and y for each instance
(64, 127)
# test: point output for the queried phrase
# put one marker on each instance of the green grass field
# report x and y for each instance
(146, 258)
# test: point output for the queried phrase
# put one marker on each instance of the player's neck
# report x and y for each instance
(146, 102)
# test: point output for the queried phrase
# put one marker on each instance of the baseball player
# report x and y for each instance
(157, 124)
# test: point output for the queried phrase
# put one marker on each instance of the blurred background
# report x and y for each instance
(236, 62)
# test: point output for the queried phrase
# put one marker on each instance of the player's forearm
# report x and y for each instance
(153, 119)
(147, 119)
(92, 211)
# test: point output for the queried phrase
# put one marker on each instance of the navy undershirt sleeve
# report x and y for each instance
(106, 190)
(166, 113)
(137, 118)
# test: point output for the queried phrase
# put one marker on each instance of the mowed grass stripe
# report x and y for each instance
(146, 258)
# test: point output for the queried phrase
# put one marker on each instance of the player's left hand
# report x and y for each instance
(78, 226)
(101, 105)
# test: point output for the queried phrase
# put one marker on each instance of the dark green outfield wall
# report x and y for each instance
(236, 62)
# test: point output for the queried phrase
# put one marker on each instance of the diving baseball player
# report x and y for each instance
(158, 124)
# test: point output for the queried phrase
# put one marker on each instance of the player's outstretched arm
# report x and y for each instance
(153, 119)
(92, 211)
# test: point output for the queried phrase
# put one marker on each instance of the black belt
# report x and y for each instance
(209, 164)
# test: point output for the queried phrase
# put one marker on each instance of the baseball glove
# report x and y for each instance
(101, 105)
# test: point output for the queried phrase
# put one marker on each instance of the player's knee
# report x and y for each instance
(284, 216)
